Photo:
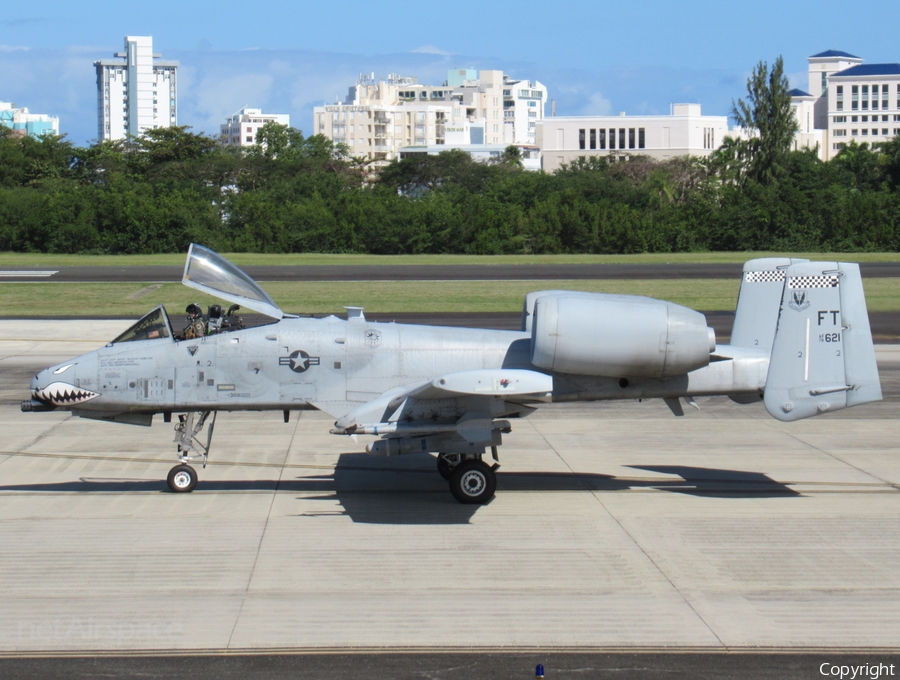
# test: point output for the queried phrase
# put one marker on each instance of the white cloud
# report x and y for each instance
(645, 108)
(13, 48)
(431, 49)
(211, 100)
(799, 80)
(100, 52)
(597, 105)
(281, 67)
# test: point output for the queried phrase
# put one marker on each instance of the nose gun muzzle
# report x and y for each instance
(33, 405)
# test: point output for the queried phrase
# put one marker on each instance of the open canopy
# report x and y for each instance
(209, 272)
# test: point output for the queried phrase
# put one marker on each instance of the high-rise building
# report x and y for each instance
(136, 91)
(380, 117)
(241, 128)
(24, 123)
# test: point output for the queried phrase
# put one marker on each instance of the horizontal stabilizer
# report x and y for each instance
(762, 284)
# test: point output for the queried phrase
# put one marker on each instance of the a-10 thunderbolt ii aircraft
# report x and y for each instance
(800, 343)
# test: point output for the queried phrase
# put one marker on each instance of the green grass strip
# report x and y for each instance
(133, 299)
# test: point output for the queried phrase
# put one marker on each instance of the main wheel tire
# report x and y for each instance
(444, 468)
(182, 479)
(473, 482)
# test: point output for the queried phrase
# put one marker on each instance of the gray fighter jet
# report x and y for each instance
(800, 342)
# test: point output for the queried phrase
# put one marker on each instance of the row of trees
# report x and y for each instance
(291, 193)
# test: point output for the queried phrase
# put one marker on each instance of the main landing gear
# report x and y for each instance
(472, 480)
(183, 478)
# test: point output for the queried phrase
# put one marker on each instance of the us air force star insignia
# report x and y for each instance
(298, 361)
(372, 337)
(798, 301)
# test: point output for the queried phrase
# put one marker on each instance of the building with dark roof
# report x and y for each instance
(847, 100)
(834, 53)
(871, 70)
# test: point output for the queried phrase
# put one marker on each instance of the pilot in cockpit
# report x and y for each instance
(214, 322)
(196, 324)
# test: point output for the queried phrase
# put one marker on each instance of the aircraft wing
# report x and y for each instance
(453, 411)
(503, 382)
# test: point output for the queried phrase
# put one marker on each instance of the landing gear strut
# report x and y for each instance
(445, 464)
(183, 478)
(472, 480)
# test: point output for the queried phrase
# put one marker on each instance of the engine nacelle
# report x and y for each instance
(618, 336)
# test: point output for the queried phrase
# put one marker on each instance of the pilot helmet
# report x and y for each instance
(194, 311)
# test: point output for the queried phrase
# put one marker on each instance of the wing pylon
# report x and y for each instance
(455, 413)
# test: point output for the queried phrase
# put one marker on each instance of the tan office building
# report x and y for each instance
(685, 131)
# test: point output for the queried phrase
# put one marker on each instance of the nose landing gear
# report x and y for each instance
(183, 478)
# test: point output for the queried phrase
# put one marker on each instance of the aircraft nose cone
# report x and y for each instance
(55, 386)
(42, 379)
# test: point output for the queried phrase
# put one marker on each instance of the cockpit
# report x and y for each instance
(214, 321)
(152, 326)
(209, 273)
(155, 325)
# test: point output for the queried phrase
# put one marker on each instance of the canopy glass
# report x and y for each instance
(209, 272)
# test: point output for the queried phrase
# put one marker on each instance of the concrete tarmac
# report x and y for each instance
(615, 527)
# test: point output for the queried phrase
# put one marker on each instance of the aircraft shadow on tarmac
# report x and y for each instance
(412, 492)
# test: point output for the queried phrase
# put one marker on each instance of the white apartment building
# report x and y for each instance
(379, 117)
(685, 131)
(808, 136)
(24, 123)
(240, 129)
(136, 91)
(851, 101)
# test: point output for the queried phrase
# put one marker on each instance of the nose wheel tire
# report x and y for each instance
(473, 482)
(182, 479)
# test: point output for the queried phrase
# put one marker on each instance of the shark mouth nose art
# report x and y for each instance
(64, 394)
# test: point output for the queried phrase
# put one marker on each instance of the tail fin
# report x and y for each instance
(757, 309)
(822, 356)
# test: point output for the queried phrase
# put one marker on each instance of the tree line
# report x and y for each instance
(293, 193)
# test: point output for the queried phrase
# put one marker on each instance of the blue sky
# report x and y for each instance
(287, 57)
